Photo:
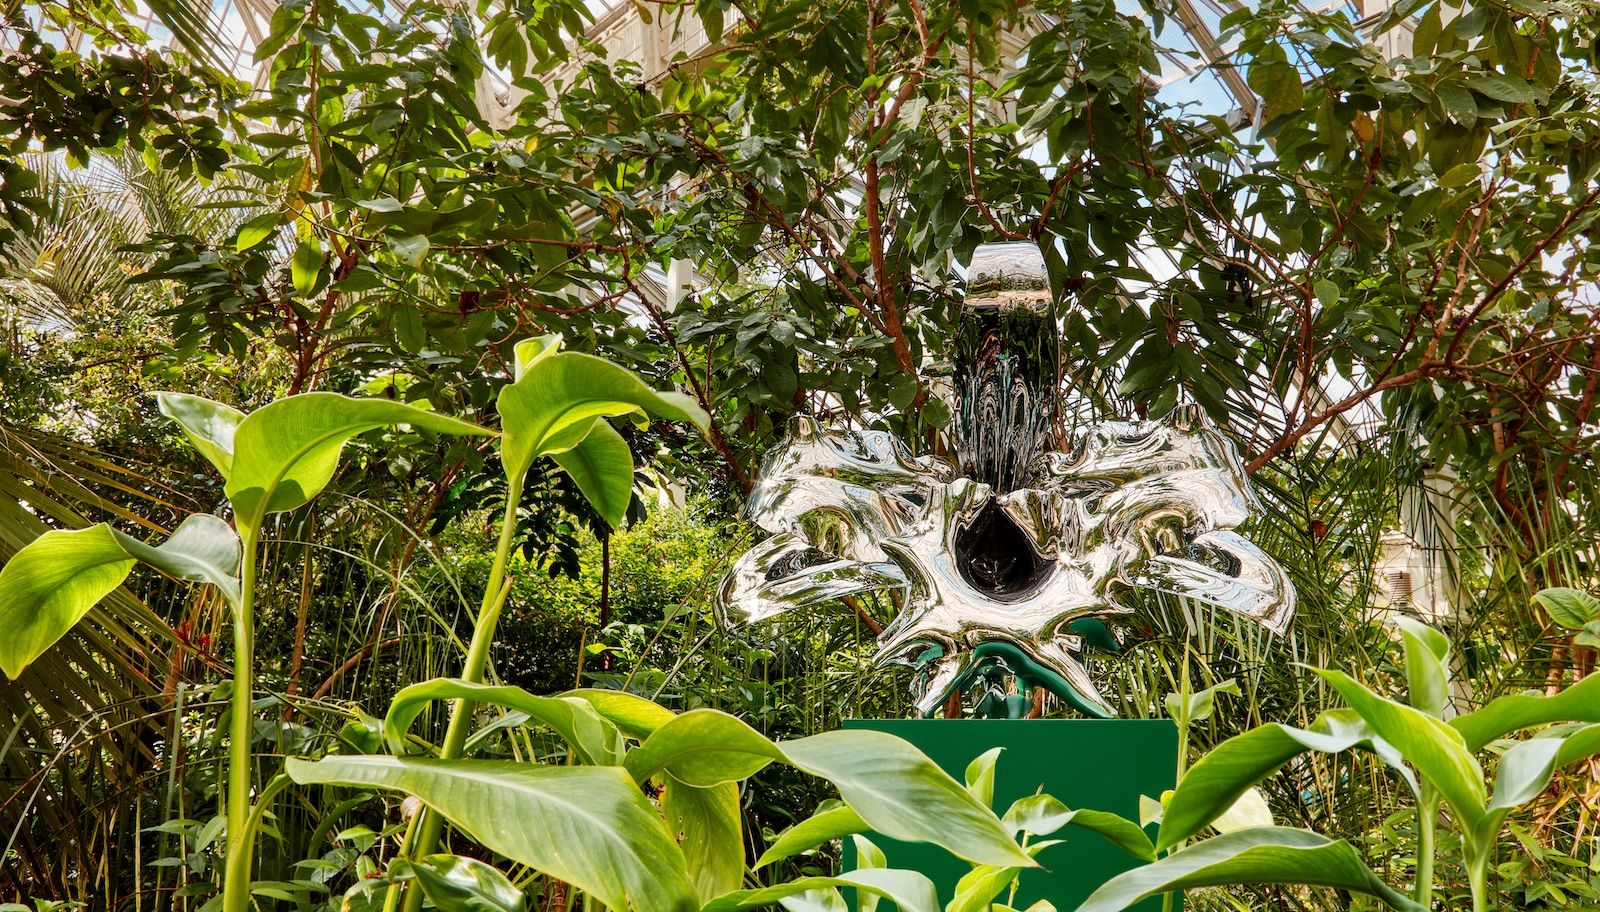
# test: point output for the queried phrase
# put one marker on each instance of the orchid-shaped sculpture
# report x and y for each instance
(1006, 579)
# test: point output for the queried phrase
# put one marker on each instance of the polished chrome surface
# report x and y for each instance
(1130, 505)
(1010, 566)
(1008, 276)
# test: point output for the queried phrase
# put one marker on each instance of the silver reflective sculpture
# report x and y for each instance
(1007, 568)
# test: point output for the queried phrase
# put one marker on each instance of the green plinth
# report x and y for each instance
(1104, 765)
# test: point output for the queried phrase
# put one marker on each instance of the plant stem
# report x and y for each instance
(1478, 875)
(1427, 823)
(241, 729)
(429, 825)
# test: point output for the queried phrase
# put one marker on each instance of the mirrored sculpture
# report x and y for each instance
(1010, 565)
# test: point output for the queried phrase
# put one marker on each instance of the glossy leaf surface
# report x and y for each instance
(909, 890)
(595, 741)
(896, 790)
(286, 452)
(588, 826)
(1263, 855)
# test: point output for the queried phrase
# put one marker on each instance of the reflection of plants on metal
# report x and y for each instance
(1010, 585)
(1010, 565)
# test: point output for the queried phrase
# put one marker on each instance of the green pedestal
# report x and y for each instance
(1104, 765)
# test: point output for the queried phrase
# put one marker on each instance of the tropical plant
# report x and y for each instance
(277, 459)
(1435, 756)
(589, 823)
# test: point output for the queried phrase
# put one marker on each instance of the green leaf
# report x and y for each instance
(53, 581)
(980, 775)
(1042, 815)
(709, 827)
(256, 230)
(1461, 175)
(1262, 855)
(210, 426)
(1436, 750)
(551, 408)
(1526, 768)
(1219, 778)
(531, 349)
(1250, 810)
(457, 884)
(1571, 608)
(410, 249)
(593, 739)
(1501, 88)
(602, 467)
(588, 826)
(1460, 105)
(637, 717)
(823, 826)
(203, 549)
(286, 452)
(1578, 703)
(305, 267)
(977, 889)
(1199, 706)
(1278, 82)
(1427, 674)
(896, 790)
(911, 891)
(50, 584)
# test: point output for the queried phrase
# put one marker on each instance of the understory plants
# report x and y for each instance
(1437, 756)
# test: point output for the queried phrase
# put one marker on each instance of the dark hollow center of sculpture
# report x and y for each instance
(995, 557)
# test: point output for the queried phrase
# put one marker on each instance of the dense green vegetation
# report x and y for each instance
(1382, 286)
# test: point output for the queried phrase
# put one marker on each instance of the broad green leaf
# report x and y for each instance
(637, 717)
(551, 407)
(258, 229)
(1250, 810)
(286, 452)
(305, 267)
(1427, 652)
(50, 584)
(823, 826)
(1263, 855)
(1526, 768)
(53, 581)
(602, 467)
(903, 795)
(1501, 717)
(703, 747)
(410, 249)
(456, 884)
(1571, 608)
(594, 739)
(1042, 815)
(1501, 88)
(911, 891)
(1278, 82)
(980, 775)
(588, 826)
(1433, 748)
(896, 790)
(203, 549)
(529, 350)
(210, 426)
(868, 855)
(978, 888)
(709, 828)
(1219, 778)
